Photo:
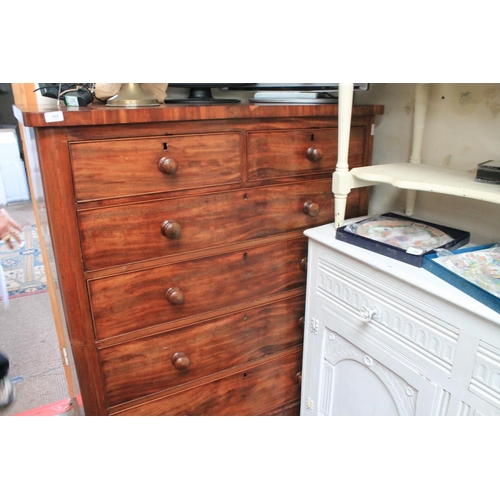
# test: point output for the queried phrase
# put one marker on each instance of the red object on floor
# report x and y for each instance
(50, 410)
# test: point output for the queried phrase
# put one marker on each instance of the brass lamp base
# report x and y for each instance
(131, 95)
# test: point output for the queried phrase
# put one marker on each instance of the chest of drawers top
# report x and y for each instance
(96, 114)
(120, 153)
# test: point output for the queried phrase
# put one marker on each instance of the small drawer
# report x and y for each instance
(152, 297)
(127, 167)
(400, 324)
(252, 391)
(285, 153)
(143, 231)
(143, 367)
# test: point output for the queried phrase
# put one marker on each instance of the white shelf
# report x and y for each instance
(430, 178)
(414, 176)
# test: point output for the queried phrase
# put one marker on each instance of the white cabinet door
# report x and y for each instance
(474, 389)
(345, 379)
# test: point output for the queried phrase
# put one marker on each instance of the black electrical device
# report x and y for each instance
(53, 90)
(73, 94)
(78, 97)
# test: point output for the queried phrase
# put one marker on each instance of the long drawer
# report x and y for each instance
(285, 153)
(144, 231)
(251, 391)
(151, 297)
(146, 366)
(126, 167)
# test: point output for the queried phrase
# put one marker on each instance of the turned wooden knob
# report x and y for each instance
(180, 361)
(298, 378)
(303, 264)
(168, 165)
(302, 321)
(314, 154)
(171, 229)
(175, 295)
(311, 208)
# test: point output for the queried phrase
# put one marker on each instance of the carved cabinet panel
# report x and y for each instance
(386, 338)
(352, 381)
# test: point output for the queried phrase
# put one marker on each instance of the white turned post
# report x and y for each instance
(421, 100)
(341, 179)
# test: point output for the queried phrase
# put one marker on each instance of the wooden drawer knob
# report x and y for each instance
(168, 165)
(180, 361)
(311, 208)
(303, 264)
(171, 229)
(314, 154)
(298, 378)
(175, 295)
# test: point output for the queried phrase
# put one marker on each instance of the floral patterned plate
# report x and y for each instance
(402, 233)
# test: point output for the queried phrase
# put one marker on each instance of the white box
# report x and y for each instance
(15, 182)
(3, 196)
(9, 145)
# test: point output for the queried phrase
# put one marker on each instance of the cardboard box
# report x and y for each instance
(14, 180)
(9, 145)
(411, 256)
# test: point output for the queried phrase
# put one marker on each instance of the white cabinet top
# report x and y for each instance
(416, 276)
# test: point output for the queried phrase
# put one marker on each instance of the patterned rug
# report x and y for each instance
(23, 266)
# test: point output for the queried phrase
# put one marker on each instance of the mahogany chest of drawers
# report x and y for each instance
(179, 254)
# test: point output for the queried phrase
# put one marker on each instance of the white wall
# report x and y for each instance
(462, 130)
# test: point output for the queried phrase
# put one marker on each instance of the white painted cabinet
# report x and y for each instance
(386, 338)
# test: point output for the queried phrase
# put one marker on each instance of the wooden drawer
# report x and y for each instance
(143, 367)
(125, 167)
(138, 300)
(138, 232)
(281, 153)
(251, 391)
